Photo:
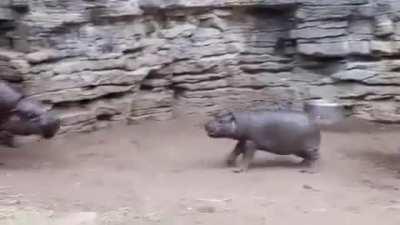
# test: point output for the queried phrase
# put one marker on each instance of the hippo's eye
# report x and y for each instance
(31, 116)
(34, 119)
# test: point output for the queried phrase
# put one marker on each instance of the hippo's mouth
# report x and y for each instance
(212, 133)
(211, 130)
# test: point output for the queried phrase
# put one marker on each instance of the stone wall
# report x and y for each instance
(96, 62)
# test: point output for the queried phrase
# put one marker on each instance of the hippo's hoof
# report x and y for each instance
(239, 170)
(8, 141)
(308, 171)
(307, 163)
(230, 162)
(310, 166)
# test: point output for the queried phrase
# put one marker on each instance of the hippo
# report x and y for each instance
(281, 132)
(22, 116)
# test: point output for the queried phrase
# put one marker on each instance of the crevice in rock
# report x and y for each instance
(85, 102)
(177, 91)
(277, 11)
(285, 47)
(104, 117)
(365, 83)
(323, 66)
(362, 58)
(149, 83)
(145, 87)
(71, 104)
(390, 57)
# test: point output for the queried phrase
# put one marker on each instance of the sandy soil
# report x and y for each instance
(172, 173)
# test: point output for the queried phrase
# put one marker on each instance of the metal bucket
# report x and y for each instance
(325, 112)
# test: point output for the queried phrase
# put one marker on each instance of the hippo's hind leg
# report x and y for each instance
(239, 149)
(248, 155)
(310, 156)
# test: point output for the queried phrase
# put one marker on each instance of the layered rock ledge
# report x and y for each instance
(96, 62)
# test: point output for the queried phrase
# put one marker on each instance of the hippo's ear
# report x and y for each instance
(228, 116)
(231, 116)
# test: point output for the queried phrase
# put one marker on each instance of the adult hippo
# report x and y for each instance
(21, 116)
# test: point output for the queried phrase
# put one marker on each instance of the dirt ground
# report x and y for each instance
(172, 173)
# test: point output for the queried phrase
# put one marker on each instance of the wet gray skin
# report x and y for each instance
(278, 132)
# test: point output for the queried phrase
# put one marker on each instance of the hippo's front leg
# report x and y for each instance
(310, 156)
(239, 149)
(7, 139)
(249, 150)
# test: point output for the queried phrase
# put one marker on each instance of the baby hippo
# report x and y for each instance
(278, 132)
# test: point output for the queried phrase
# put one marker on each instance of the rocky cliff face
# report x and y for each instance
(101, 61)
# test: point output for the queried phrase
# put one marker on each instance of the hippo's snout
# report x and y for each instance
(208, 129)
(211, 129)
(50, 126)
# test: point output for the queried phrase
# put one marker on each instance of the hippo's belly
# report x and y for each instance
(288, 141)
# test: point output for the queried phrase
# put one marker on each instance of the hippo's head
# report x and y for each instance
(38, 120)
(222, 126)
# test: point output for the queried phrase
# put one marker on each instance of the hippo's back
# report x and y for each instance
(281, 132)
